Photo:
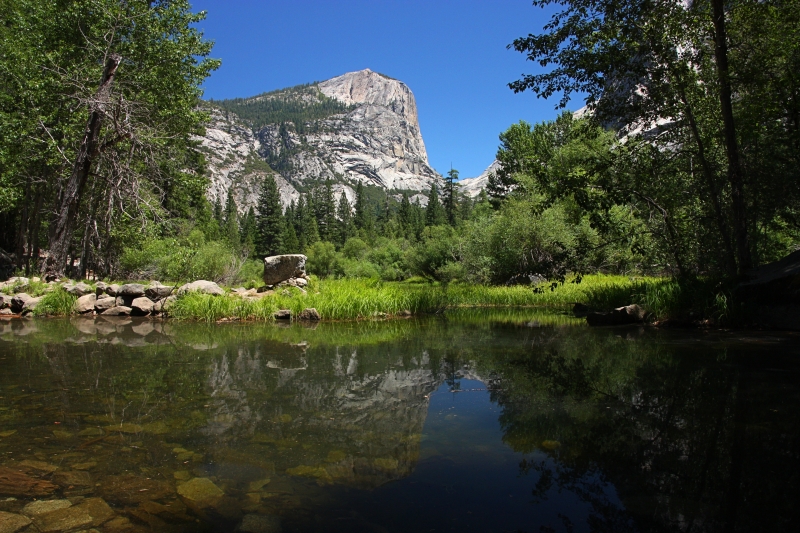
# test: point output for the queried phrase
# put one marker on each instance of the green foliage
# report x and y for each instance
(55, 303)
(270, 222)
(181, 260)
(321, 258)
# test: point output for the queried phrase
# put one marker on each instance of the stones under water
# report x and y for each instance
(476, 421)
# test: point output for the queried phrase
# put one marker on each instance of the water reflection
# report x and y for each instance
(438, 424)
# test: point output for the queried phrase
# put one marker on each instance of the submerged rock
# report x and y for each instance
(278, 268)
(16, 483)
(91, 512)
(200, 493)
(259, 523)
(11, 523)
(45, 506)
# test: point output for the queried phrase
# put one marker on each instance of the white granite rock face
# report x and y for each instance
(377, 142)
(472, 187)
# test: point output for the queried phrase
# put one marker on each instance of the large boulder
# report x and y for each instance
(142, 306)
(629, 314)
(79, 289)
(156, 291)
(102, 304)
(85, 304)
(278, 268)
(19, 300)
(112, 289)
(119, 310)
(201, 286)
(134, 290)
(5, 301)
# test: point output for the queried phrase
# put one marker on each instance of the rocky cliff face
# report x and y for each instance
(374, 138)
(472, 187)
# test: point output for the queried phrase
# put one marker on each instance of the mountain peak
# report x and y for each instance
(372, 88)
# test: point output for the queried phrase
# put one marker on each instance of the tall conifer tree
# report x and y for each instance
(269, 220)
(450, 196)
(434, 212)
(231, 221)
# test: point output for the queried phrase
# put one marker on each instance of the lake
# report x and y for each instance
(474, 421)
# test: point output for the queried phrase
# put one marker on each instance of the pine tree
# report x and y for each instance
(248, 233)
(344, 215)
(291, 244)
(405, 217)
(359, 217)
(299, 222)
(434, 213)
(385, 216)
(450, 196)
(269, 220)
(309, 223)
(231, 221)
(218, 216)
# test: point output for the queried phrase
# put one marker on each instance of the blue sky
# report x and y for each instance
(451, 54)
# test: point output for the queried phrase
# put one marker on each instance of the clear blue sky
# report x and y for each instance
(452, 54)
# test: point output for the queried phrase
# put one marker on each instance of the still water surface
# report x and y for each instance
(479, 421)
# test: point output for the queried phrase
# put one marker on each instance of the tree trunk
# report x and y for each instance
(735, 178)
(73, 192)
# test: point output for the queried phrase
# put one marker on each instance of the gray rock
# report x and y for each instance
(201, 286)
(101, 304)
(19, 301)
(142, 306)
(85, 304)
(629, 314)
(112, 289)
(283, 314)
(278, 268)
(133, 290)
(156, 291)
(260, 523)
(79, 289)
(17, 283)
(300, 282)
(162, 306)
(5, 301)
(119, 310)
(6, 311)
(100, 288)
(309, 313)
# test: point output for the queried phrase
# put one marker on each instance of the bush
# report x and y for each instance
(321, 258)
(175, 260)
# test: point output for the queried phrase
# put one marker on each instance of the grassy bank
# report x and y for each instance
(353, 299)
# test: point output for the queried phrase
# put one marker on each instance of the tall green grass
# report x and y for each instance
(359, 299)
(57, 302)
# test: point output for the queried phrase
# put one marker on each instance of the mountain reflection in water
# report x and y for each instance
(477, 421)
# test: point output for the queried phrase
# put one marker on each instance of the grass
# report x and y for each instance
(360, 299)
(354, 299)
(55, 303)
